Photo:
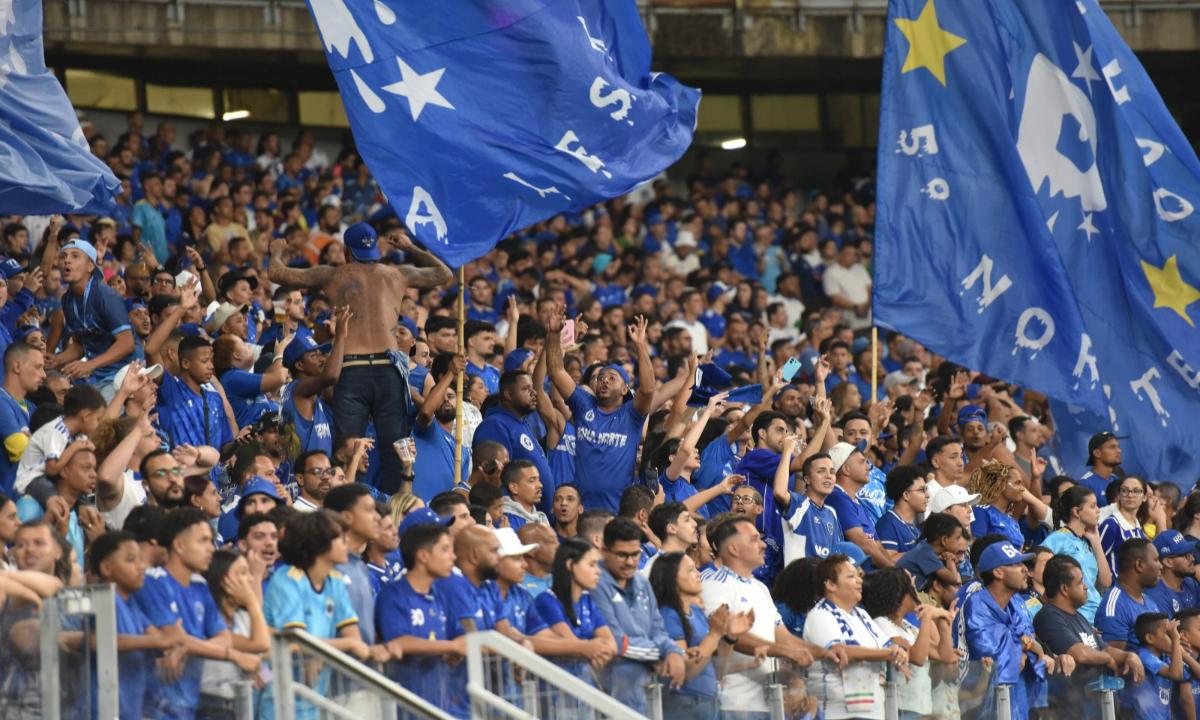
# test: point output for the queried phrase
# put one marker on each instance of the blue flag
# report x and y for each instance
(45, 164)
(482, 117)
(1036, 218)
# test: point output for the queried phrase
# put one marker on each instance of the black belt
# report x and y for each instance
(369, 356)
(366, 360)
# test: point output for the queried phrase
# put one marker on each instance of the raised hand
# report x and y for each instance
(715, 403)
(34, 280)
(339, 323)
(731, 483)
(958, 385)
(923, 399)
(821, 370)
(400, 240)
(189, 294)
(637, 332)
(186, 455)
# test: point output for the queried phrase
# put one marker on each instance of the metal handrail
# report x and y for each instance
(285, 693)
(492, 642)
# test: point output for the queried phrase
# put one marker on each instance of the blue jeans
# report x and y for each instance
(679, 706)
(374, 392)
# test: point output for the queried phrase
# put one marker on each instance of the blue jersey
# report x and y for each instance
(1152, 698)
(389, 572)
(562, 460)
(1114, 531)
(895, 533)
(1098, 485)
(716, 463)
(704, 684)
(302, 434)
(990, 520)
(873, 495)
(14, 423)
(165, 602)
(606, 446)
(96, 319)
(852, 515)
(505, 427)
(1117, 614)
(759, 468)
(678, 490)
(587, 621)
(433, 469)
(817, 527)
(244, 390)
(487, 373)
(1170, 600)
(192, 419)
(463, 601)
(521, 612)
(401, 611)
(133, 666)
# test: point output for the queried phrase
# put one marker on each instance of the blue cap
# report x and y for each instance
(1172, 542)
(601, 262)
(999, 555)
(515, 359)
(422, 516)
(301, 345)
(256, 486)
(852, 551)
(134, 302)
(408, 323)
(82, 246)
(11, 267)
(23, 332)
(362, 241)
(654, 217)
(619, 370)
(715, 291)
(970, 413)
(191, 330)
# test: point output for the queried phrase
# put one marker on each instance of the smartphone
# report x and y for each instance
(790, 368)
(568, 334)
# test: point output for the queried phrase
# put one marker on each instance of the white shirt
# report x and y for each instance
(794, 308)
(218, 677)
(697, 330)
(680, 266)
(744, 691)
(915, 694)
(853, 284)
(48, 443)
(828, 625)
(303, 505)
(133, 495)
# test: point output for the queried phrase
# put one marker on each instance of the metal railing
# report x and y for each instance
(89, 610)
(313, 680)
(505, 681)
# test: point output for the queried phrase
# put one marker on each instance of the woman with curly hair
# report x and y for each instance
(1001, 495)
(794, 593)
(888, 596)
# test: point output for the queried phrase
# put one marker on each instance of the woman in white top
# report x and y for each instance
(856, 690)
(1132, 507)
(238, 594)
(889, 595)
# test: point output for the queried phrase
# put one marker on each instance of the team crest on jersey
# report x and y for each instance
(527, 442)
(329, 608)
(590, 416)
(829, 526)
(198, 608)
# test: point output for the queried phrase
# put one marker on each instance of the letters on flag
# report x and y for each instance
(479, 118)
(1036, 218)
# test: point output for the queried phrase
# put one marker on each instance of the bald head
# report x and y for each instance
(546, 539)
(478, 551)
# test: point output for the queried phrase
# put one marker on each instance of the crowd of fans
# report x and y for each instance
(682, 460)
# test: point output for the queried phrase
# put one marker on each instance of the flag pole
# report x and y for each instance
(458, 402)
(874, 362)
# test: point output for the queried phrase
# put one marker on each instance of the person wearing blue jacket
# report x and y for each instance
(628, 605)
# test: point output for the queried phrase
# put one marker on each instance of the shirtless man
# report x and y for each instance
(372, 385)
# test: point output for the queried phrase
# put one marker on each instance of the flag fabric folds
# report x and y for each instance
(481, 117)
(1036, 218)
(46, 166)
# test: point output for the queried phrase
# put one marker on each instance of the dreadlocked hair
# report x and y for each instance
(989, 481)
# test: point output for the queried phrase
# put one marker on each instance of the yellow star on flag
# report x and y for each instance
(1170, 289)
(928, 43)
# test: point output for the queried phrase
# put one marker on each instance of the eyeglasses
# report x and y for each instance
(318, 472)
(624, 556)
(164, 281)
(176, 471)
(1132, 492)
(924, 490)
(745, 499)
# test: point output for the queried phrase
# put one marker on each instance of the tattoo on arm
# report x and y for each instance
(304, 278)
(430, 271)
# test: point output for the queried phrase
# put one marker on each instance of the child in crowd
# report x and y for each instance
(1162, 656)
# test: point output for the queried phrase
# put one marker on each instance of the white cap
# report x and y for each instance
(953, 495)
(839, 454)
(153, 372)
(511, 545)
(685, 238)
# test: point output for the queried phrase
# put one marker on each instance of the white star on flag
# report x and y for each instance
(1084, 70)
(7, 16)
(1088, 227)
(421, 90)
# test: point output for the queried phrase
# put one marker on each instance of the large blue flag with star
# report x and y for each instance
(45, 164)
(481, 117)
(1037, 221)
